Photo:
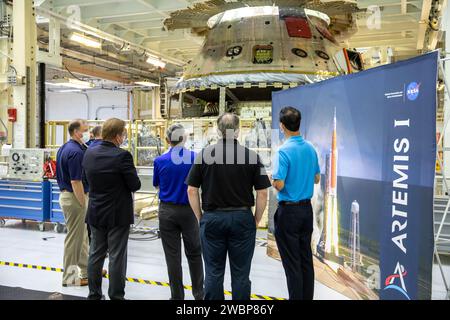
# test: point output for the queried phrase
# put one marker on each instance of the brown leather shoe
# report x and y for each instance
(79, 283)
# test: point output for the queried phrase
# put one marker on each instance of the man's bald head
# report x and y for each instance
(228, 125)
(77, 125)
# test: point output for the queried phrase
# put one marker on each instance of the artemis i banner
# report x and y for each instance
(375, 134)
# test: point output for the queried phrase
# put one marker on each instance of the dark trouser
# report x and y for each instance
(89, 233)
(176, 221)
(115, 241)
(293, 230)
(231, 232)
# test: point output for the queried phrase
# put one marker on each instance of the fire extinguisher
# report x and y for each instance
(12, 114)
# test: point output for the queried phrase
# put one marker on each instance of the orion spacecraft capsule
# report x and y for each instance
(259, 42)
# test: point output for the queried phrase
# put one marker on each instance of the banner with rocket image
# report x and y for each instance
(375, 135)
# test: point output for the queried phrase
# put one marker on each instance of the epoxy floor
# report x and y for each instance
(23, 243)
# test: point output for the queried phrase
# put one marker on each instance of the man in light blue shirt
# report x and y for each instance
(295, 171)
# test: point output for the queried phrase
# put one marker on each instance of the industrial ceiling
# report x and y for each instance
(404, 30)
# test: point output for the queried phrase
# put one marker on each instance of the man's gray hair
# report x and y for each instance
(228, 125)
(175, 133)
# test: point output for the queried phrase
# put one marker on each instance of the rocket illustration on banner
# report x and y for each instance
(330, 236)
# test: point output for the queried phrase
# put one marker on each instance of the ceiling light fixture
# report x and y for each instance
(89, 42)
(156, 62)
(69, 91)
(71, 83)
(147, 83)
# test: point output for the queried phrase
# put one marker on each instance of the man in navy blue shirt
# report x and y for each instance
(73, 202)
(96, 137)
(176, 217)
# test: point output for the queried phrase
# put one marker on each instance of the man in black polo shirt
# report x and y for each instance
(227, 173)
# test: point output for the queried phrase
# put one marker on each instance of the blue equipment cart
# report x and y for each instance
(56, 214)
(25, 200)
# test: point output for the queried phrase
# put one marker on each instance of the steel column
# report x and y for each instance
(24, 53)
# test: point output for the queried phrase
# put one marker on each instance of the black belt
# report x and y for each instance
(298, 203)
(232, 209)
(173, 204)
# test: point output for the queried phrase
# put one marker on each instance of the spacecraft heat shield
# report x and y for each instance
(262, 77)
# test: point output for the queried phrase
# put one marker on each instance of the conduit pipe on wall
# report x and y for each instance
(108, 107)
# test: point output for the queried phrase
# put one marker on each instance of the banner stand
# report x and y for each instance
(438, 239)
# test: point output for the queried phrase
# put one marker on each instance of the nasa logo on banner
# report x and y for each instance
(413, 90)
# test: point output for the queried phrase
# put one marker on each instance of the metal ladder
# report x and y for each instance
(439, 205)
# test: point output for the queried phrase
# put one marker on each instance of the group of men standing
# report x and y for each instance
(216, 224)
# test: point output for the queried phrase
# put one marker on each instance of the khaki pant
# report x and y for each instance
(76, 244)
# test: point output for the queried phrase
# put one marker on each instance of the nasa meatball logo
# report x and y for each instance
(412, 92)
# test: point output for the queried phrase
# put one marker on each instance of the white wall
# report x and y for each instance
(68, 106)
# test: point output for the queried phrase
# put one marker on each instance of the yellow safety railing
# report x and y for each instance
(58, 131)
(51, 133)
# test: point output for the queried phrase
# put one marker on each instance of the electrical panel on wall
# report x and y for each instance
(27, 164)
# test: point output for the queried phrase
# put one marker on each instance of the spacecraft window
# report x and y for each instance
(299, 52)
(234, 51)
(323, 55)
(267, 22)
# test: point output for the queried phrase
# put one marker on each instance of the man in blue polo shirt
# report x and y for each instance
(73, 202)
(176, 217)
(295, 171)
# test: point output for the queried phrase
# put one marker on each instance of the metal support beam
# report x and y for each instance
(423, 23)
(24, 52)
(5, 96)
(53, 56)
(42, 71)
(232, 96)
(222, 99)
